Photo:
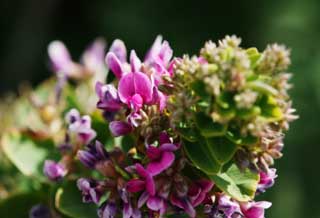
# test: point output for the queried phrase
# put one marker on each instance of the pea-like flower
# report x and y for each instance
(80, 127)
(91, 190)
(54, 171)
(119, 128)
(107, 210)
(162, 157)
(195, 195)
(108, 97)
(145, 182)
(224, 207)
(255, 209)
(266, 180)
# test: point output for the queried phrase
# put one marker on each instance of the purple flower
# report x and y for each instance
(266, 180)
(196, 194)
(198, 191)
(107, 210)
(108, 97)
(119, 49)
(93, 155)
(93, 56)
(158, 58)
(60, 58)
(54, 171)
(183, 203)
(39, 211)
(227, 206)
(255, 209)
(156, 203)
(135, 88)
(145, 182)
(224, 207)
(91, 190)
(130, 212)
(80, 127)
(118, 128)
(162, 157)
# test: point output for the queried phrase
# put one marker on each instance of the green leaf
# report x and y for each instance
(207, 127)
(238, 139)
(199, 155)
(27, 155)
(188, 133)
(221, 148)
(239, 185)
(19, 205)
(68, 201)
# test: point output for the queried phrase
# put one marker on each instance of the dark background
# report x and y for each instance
(28, 26)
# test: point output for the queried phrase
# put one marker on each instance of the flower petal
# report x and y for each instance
(134, 62)
(93, 57)
(135, 83)
(114, 64)
(157, 166)
(119, 49)
(164, 138)
(59, 56)
(119, 128)
(154, 203)
(135, 185)
(143, 199)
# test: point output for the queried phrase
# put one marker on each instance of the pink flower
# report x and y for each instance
(118, 128)
(162, 157)
(158, 58)
(108, 97)
(54, 171)
(266, 180)
(198, 191)
(80, 127)
(254, 209)
(145, 182)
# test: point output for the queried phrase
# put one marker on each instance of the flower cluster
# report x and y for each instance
(168, 133)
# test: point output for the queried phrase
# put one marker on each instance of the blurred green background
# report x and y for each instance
(28, 26)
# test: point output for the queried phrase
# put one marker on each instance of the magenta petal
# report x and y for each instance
(164, 138)
(135, 83)
(154, 203)
(119, 128)
(143, 199)
(156, 167)
(255, 209)
(183, 203)
(150, 185)
(134, 62)
(206, 185)
(168, 147)
(153, 153)
(119, 49)
(162, 100)
(114, 65)
(135, 185)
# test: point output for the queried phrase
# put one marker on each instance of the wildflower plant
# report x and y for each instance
(119, 136)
